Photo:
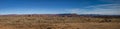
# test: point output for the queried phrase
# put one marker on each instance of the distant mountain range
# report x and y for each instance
(63, 15)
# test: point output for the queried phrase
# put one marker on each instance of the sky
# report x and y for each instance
(103, 7)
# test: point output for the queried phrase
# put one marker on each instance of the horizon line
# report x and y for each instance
(58, 13)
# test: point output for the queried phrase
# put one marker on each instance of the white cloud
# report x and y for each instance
(75, 10)
(106, 9)
(111, 1)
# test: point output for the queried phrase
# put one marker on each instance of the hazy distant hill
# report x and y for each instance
(66, 15)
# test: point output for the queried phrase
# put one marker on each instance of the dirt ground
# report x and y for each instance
(64, 26)
(36, 22)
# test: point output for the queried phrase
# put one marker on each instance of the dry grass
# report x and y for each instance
(37, 22)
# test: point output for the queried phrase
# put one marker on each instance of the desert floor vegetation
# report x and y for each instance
(46, 22)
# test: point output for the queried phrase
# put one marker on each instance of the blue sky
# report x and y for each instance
(105, 7)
